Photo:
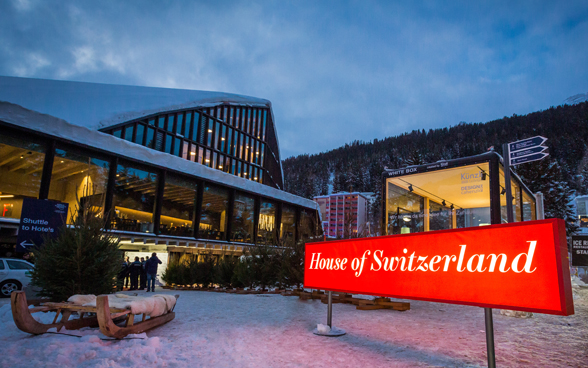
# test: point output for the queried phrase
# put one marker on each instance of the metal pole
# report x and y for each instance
(490, 337)
(330, 310)
(509, 213)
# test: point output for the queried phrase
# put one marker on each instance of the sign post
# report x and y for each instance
(39, 219)
(516, 153)
(496, 266)
(579, 251)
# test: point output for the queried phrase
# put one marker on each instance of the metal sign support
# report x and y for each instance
(509, 209)
(333, 331)
(490, 337)
(330, 309)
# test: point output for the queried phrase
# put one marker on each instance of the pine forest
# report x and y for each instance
(358, 166)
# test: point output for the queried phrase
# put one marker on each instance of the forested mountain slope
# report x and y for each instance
(358, 166)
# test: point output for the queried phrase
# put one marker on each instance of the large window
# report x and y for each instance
(177, 208)
(438, 200)
(213, 219)
(529, 211)
(21, 168)
(134, 199)
(236, 132)
(288, 225)
(243, 212)
(76, 176)
(307, 224)
(267, 223)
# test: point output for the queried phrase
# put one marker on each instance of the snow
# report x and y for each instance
(100, 105)
(323, 329)
(22, 117)
(229, 330)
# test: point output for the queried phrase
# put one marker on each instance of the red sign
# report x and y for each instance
(519, 266)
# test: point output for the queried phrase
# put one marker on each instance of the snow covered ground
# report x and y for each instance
(228, 330)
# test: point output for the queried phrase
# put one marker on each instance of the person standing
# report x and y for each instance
(135, 271)
(143, 280)
(122, 275)
(151, 269)
(127, 277)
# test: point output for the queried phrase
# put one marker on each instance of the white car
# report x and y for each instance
(15, 274)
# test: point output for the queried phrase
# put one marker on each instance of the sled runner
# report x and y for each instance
(113, 322)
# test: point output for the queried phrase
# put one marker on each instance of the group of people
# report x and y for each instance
(141, 273)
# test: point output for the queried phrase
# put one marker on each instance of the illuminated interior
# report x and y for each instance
(21, 168)
(438, 200)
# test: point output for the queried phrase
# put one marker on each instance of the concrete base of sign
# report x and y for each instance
(334, 332)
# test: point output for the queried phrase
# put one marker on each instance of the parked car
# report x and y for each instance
(15, 274)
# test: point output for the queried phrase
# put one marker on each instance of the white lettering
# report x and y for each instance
(529, 255)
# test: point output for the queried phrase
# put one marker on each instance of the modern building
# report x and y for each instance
(582, 213)
(465, 192)
(344, 214)
(174, 171)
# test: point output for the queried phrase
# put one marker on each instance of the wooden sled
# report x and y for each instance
(100, 316)
(25, 321)
(110, 329)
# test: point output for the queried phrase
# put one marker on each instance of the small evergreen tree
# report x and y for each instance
(82, 259)
(224, 271)
(545, 176)
(292, 265)
(243, 276)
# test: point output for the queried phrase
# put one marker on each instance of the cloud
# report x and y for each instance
(335, 72)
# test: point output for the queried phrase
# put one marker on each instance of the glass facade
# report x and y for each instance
(21, 169)
(232, 139)
(77, 176)
(243, 213)
(215, 206)
(178, 206)
(463, 194)
(288, 224)
(134, 199)
(267, 223)
(139, 198)
(438, 200)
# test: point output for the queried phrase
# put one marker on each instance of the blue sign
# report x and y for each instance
(39, 219)
(526, 143)
(529, 151)
(529, 158)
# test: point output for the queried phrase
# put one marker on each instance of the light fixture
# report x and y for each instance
(406, 219)
(193, 153)
(21, 156)
(443, 203)
(7, 196)
(410, 187)
(484, 175)
(207, 160)
(255, 178)
(222, 139)
(61, 161)
(503, 191)
(452, 207)
(209, 130)
(220, 166)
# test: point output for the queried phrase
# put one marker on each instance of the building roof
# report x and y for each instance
(96, 105)
(363, 194)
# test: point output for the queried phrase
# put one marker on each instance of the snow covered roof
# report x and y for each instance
(96, 105)
(21, 117)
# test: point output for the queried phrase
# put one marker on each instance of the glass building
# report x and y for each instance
(452, 194)
(175, 171)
